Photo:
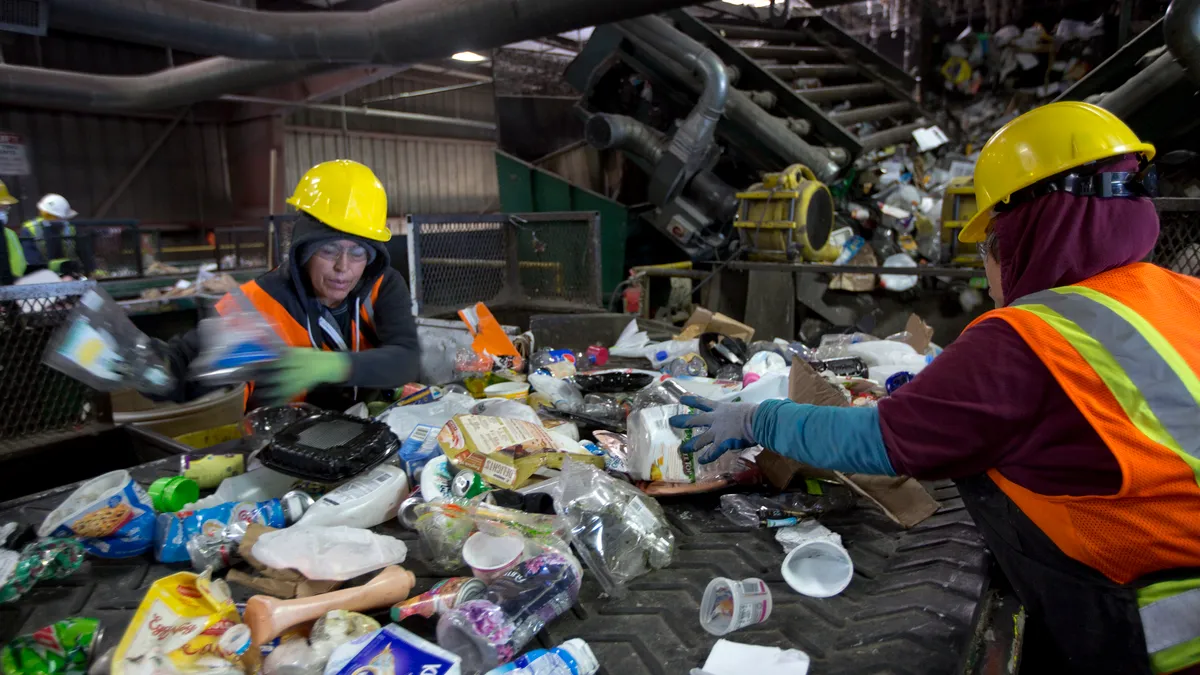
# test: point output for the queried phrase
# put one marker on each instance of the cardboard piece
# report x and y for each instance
(707, 321)
(920, 333)
(900, 498)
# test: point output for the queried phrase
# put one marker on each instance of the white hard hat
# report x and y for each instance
(57, 206)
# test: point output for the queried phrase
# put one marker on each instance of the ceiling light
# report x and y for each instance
(469, 57)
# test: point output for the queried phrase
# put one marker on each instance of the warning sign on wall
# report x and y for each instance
(13, 160)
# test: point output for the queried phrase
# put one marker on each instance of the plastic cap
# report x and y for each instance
(236, 640)
(173, 493)
(581, 653)
(661, 355)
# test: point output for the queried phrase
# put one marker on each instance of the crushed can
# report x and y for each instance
(468, 484)
(62, 648)
(443, 597)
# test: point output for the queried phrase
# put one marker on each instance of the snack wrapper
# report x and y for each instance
(111, 515)
(180, 619)
(507, 452)
(173, 530)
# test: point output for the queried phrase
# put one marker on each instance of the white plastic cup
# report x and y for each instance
(489, 556)
(729, 605)
(818, 569)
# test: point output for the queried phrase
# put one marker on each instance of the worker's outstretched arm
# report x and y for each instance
(843, 439)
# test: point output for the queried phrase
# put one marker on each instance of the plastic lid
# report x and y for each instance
(236, 640)
(581, 654)
(660, 355)
(173, 493)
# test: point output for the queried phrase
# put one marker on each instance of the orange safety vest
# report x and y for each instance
(289, 329)
(1124, 346)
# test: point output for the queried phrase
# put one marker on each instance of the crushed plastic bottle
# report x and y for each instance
(573, 657)
(688, 364)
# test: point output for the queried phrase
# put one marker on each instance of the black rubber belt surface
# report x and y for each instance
(909, 609)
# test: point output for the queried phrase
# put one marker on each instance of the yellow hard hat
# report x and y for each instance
(6, 198)
(346, 196)
(1042, 143)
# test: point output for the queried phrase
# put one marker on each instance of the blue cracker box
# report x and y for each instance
(111, 515)
(420, 447)
(392, 650)
(174, 530)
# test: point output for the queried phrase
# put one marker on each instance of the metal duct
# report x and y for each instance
(198, 81)
(744, 113)
(1141, 89)
(394, 33)
(1181, 28)
(623, 133)
(689, 146)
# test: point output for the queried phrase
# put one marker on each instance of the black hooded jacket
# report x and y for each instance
(393, 362)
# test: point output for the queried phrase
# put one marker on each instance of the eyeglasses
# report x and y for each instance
(988, 245)
(355, 253)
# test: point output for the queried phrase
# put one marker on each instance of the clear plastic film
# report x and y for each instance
(445, 526)
(620, 532)
(99, 346)
(755, 511)
(235, 344)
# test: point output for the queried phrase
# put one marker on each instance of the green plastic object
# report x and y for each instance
(525, 188)
(62, 648)
(172, 493)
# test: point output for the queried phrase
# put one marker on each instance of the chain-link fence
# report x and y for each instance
(537, 260)
(1178, 247)
(37, 403)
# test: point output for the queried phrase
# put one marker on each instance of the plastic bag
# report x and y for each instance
(445, 525)
(619, 532)
(503, 407)
(632, 342)
(51, 558)
(99, 346)
(293, 657)
(402, 420)
(235, 344)
(334, 553)
(562, 393)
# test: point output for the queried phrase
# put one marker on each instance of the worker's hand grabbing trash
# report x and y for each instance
(730, 426)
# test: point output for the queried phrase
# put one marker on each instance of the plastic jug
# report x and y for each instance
(365, 502)
(258, 485)
(573, 657)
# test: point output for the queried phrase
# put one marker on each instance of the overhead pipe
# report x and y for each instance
(1181, 28)
(1141, 89)
(365, 111)
(393, 33)
(198, 81)
(689, 146)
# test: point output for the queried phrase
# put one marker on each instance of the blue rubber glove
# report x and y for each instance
(730, 427)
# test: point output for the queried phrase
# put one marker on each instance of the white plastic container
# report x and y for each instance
(729, 605)
(660, 353)
(365, 502)
(818, 569)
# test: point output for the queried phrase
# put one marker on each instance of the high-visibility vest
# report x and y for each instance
(1124, 346)
(16, 255)
(293, 333)
(37, 233)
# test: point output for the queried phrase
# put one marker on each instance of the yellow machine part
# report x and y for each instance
(958, 205)
(788, 215)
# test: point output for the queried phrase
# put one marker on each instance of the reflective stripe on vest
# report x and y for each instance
(1147, 376)
(1170, 613)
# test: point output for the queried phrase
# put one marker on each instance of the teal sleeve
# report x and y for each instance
(841, 439)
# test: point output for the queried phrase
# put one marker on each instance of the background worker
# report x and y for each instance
(335, 300)
(15, 267)
(1069, 417)
(49, 239)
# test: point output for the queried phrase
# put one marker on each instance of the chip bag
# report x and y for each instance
(180, 619)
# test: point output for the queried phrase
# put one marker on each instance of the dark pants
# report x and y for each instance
(1092, 623)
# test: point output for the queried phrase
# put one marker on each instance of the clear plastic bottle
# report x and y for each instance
(688, 364)
(573, 657)
(258, 485)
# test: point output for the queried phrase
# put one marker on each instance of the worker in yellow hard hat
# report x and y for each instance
(335, 300)
(1069, 417)
(16, 265)
(49, 239)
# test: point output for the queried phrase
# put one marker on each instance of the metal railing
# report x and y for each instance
(546, 261)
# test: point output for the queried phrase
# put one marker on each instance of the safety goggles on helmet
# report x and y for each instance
(1078, 182)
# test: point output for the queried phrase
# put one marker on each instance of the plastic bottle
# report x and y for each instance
(258, 485)
(662, 352)
(366, 501)
(573, 657)
(688, 364)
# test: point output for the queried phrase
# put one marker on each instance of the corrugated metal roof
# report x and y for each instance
(421, 175)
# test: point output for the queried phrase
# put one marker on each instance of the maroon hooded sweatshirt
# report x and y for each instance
(988, 401)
